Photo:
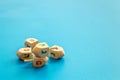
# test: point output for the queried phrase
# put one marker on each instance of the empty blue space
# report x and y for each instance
(88, 30)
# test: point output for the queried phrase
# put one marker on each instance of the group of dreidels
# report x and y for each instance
(37, 52)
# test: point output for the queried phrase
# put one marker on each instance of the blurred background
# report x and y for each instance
(88, 30)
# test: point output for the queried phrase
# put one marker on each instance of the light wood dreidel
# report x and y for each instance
(56, 52)
(31, 42)
(25, 54)
(39, 62)
(41, 49)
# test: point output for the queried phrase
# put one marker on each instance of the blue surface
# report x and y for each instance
(88, 30)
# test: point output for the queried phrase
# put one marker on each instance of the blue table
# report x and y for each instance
(88, 30)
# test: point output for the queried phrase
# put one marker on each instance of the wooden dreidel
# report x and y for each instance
(31, 42)
(39, 62)
(56, 52)
(25, 54)
(41, 49)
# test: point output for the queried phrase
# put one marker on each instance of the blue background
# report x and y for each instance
(88, 30)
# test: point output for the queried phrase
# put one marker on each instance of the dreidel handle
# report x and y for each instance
(29, 60)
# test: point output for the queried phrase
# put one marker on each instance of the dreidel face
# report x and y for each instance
(56, 52)
(39, 62)
(24, 53)
(41, 49)
(31, 42)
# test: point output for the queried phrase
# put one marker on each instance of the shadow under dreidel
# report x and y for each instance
(30, 66)
(39, 71)
(51, 60)
(42, 68)
(20, 61)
